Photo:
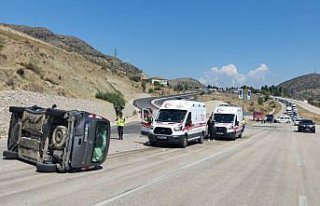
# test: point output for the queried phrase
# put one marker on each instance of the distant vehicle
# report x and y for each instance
(57, 140)
(306, 125)
(289, 110)
(257, 116)
(179, 122)
(283, 119)
(296, 120)
(270, 118)
(228, 122)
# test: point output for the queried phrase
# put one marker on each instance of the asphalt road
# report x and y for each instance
(271, 165)
(146, 102)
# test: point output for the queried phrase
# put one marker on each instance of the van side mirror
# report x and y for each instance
(189, 123)
(237, 123)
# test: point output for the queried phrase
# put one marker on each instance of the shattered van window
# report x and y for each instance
(100, 142)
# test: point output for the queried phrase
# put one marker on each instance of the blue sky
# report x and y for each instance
(227, 42)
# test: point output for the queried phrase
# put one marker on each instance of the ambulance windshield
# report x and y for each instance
(223, 118)
(171, 115)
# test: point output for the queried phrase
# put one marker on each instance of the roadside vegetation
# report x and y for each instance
(309, 115)
(257, 103)
(115, 98)
(2, 43)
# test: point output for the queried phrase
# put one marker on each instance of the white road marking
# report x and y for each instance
(169, 174)
(303, 201)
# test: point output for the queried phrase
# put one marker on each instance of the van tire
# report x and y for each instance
(200, 140)
(7, 154)
(59, 137)
(56, 113)
(14, 109)
(43, 167)
(184, 142)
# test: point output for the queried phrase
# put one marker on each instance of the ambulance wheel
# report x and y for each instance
(200, 140)
(234, 137)
(184, 142)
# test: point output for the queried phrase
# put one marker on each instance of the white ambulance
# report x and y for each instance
(228, 122)
(178, 122)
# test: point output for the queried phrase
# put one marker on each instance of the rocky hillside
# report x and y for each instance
(192, 83)
(74, 44)
(28, 63)
(303, 87)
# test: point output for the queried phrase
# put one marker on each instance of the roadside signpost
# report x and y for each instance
(240, 91)
(249, 94)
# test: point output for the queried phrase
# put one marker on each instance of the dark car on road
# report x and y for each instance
(306, 125)
(57, 140)
(270, 118)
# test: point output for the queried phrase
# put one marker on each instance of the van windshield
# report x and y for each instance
(223, 118)
(171, 115)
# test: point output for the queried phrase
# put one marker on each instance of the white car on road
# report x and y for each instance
(283, 119)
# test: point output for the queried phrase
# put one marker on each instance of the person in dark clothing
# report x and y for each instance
(210, 124)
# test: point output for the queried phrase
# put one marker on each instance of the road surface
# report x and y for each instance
(146, 102)
(309, 107)
(271, 165)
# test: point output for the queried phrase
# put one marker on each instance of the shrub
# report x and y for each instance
(178, 87)
(157, 88)
(135, 78)
(116, 99)
(156, 84)
(260, 100)
(151, 90)
(20, 72)
(144, 86)
(2, 43)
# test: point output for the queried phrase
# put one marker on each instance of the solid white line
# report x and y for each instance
(303, 201)
(169, 174)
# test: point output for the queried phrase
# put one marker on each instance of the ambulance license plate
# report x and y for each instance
(162, 137)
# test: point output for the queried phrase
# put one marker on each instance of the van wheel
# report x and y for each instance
(184, 142)
(200, 140)
(59, 137)
(7, 154)
(14, 135)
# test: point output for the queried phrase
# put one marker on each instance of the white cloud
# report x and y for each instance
(258, 71)
(229, 75)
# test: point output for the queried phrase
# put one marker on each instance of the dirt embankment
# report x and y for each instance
(24, 98)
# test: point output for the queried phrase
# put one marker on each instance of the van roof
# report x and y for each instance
(227, 109)
(181, 104)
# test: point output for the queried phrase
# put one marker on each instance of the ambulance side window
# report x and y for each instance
(189, 120)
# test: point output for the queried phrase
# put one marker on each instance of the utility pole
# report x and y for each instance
(115, 54)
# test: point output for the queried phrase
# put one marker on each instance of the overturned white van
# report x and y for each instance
(228, 122)
(178, 122)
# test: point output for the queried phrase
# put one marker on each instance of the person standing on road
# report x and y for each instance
(210, 125)
(120, 122)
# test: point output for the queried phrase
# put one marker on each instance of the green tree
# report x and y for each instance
(144, 86)
(116, 99)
